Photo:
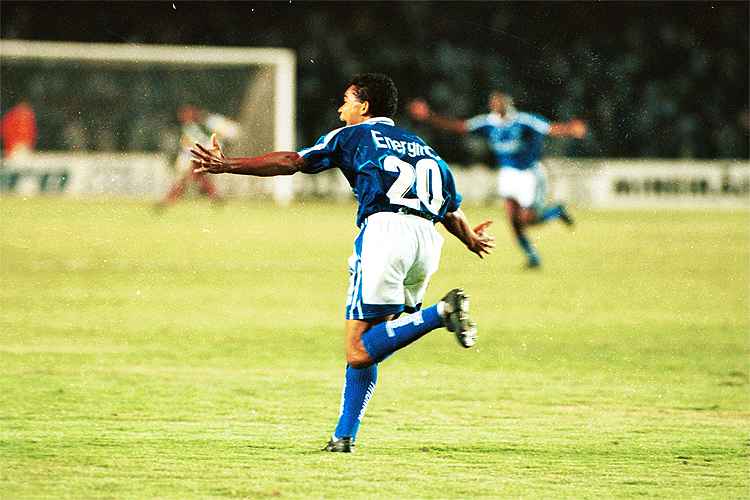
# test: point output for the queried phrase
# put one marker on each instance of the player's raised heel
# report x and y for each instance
(341, 445)
(456, 315)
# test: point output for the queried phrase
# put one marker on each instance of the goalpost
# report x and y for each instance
(129, 88)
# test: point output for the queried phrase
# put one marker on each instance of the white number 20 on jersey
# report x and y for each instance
(428, 179)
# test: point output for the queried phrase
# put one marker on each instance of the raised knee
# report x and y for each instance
(358, 359)
(528, 216)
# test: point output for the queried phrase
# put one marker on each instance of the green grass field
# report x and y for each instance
(199, 354)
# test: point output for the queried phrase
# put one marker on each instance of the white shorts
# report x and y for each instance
(394, 257)
(528, 187)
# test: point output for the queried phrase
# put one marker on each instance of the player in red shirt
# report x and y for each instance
(18, 130)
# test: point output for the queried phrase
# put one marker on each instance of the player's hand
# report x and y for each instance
(419, 110)
(481, 228)
(578, 128)
(210, 160)
(483, 242)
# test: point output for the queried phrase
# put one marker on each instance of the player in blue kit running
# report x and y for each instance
(403, 188)
(516, 139)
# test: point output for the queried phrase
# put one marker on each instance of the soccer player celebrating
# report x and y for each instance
(403, 188)
(516, 139)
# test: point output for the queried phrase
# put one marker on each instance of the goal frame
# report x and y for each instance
(282, 61)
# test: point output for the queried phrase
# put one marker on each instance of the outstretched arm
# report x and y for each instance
(420, 111)
(213, 161)
(477, 240)
(573, 128)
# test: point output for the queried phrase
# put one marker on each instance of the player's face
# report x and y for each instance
(498, 103)
(353, 111)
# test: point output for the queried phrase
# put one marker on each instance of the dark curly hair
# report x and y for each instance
(379, 90)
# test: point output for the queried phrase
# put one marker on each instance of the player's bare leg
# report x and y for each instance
(356, 354)
(207, 187)
(519, 218)
(527, 216)
(175, 192)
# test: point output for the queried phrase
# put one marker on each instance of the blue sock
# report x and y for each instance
(359, 385)
(386, 338)
(528, 248)
(553, 212)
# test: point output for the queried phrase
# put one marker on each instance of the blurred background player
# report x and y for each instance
(197, 127)
(18, 130)
(516, 140)
(403, 188)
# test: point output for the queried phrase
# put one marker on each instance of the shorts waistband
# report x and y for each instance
(418, 213)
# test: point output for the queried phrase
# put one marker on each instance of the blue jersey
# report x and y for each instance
(388, 168)
(515, 140)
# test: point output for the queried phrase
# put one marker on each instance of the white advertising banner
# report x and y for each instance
(651, 183)
(85, 174)
(598, 183)
(146, 176)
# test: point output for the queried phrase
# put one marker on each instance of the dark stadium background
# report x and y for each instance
(657, 79)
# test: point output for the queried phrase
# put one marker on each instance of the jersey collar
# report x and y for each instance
(380, 119)
(509, 116)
